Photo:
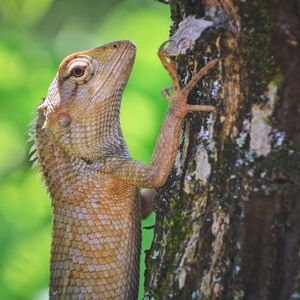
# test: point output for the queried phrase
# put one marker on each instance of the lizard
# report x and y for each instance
(92, 180)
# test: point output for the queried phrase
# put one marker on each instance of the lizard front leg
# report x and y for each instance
(155, 174)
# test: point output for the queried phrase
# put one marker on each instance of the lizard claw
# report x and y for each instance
(166, 93)
(169, 66)
(202, 72)
(204, 108)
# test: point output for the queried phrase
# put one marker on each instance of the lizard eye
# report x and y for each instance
(78, 71)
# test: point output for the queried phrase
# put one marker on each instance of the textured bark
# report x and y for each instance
(228, 219)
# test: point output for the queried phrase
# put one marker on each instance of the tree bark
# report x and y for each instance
(228, 218)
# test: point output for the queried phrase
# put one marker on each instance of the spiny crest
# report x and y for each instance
(32, 140)
(33, 153)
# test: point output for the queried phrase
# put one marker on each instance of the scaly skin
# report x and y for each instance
(91, 178)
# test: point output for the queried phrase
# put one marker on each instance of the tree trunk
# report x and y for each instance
(228, 218)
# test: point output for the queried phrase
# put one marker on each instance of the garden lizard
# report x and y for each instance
(91, 178)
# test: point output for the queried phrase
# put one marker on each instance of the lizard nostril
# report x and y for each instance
(115, 46)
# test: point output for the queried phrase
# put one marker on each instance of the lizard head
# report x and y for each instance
(82, 107)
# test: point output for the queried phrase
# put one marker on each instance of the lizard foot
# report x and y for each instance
(179, 95)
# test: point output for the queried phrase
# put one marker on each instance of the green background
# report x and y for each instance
(35, 35)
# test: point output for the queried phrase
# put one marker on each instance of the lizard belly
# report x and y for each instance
(96, 241)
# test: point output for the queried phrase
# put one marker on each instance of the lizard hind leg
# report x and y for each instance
(147, 196)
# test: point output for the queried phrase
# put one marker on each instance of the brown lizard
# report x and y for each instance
(91, 178)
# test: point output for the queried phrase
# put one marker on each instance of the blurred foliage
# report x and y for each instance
(35, 36)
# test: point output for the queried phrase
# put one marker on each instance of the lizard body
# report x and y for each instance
(92, 180)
